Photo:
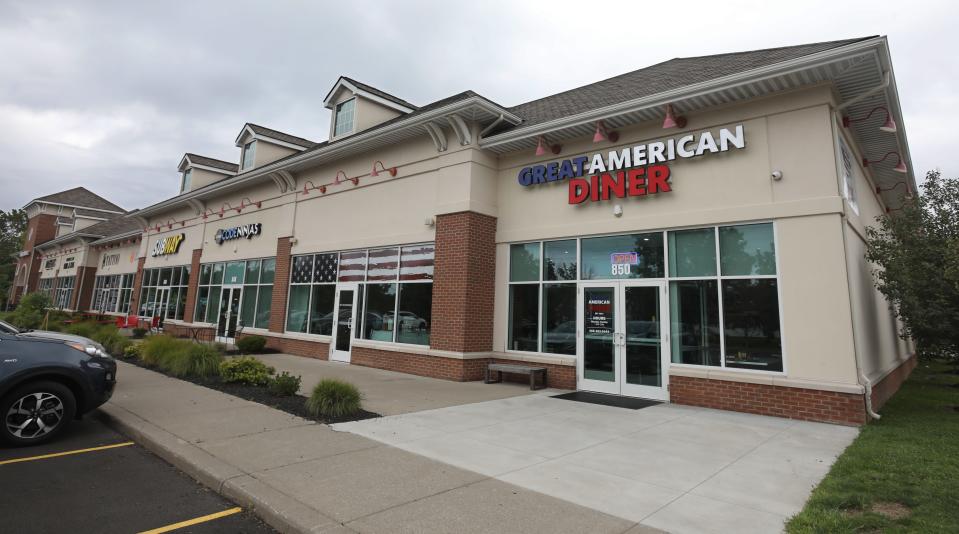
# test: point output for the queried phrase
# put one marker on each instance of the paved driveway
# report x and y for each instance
(675, 468)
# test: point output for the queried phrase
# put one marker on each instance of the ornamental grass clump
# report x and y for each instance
(334, 399)
(195, 360)
(157, 350)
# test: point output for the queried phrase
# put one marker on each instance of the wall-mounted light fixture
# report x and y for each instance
(897, 184)
(900, 165)
(602, 133)
(542, 146)
(337, 181)
(374, 172)
(672, 120)
(889, 125)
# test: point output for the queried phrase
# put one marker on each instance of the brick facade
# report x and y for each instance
(765, 399)
(83, 288)
(137, 285)
(281, 284)
(464, 282)
(191, 290)
(883, 390)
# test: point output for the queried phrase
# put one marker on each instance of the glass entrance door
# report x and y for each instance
(623, 341)
(228, 314)
(344, 317)
(160, 305)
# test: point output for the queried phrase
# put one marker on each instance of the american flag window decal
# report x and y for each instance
(383, 264)
(324, 268)
(416, 262)
(352, 266)
(302, 270)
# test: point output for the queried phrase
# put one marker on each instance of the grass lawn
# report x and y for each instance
(902, 472)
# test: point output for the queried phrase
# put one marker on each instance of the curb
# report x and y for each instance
(280, 511)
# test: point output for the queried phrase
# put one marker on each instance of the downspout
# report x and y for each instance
(861, 376)
(492, 125)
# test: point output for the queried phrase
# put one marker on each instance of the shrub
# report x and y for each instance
(196, 360)
(138, 333)
(85, 329)
(246, 370)
(111, 338)
(131, 351)
(334, 398)
(284, 385)
(30, 311)
(251, 344)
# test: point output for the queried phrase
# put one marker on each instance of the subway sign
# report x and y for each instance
(237, 232)
(167, 245)
(633, 171)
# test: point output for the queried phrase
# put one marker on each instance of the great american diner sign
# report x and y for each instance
(632, 171)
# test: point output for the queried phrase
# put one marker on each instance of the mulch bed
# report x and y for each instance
(293, 405)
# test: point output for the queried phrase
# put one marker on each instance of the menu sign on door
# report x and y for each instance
(599, 315)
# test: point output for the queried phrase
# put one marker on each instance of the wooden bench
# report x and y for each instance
(501, 368)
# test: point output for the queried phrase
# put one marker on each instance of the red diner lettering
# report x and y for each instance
(658, 179)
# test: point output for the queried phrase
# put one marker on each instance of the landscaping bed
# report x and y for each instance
(293, 405)
(901, 473)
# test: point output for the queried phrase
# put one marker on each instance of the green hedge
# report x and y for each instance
(180, 357)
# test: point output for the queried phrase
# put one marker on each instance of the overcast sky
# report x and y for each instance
(109, 95)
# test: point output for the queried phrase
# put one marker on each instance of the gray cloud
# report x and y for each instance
(110, 94)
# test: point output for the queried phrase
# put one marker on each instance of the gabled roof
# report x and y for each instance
(369, 92)
(672, 74)
(216, 165)
(276, 135)
(79, 197)
(101, 231)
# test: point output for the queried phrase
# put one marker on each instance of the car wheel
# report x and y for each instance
(36, 412)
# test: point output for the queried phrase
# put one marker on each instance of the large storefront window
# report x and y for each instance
(395, 298)
(256, 279)
(723, 291)
(111, 293)
(46, 287)
(63, 292)
(164, 292)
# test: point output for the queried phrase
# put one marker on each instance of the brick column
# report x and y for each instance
(83, 288)
(191, 289)
(281, 284)
(464, 282)
(137, 285)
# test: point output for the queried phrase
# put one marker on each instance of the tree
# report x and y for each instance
(12, 226)
(916, 251)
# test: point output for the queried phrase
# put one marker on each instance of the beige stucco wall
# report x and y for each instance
(267, 152)
(200, 178)
(127, 263)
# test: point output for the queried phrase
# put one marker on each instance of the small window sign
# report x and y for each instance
(621, 262)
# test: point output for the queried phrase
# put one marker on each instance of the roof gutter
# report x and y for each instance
(333, 150)
(689, 91)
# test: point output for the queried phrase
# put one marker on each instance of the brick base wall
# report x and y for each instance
(883, 390)
(765, 399)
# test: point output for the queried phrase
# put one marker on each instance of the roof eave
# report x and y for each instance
(666, 97)
(330, 150)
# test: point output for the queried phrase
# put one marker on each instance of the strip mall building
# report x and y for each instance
(690, 232)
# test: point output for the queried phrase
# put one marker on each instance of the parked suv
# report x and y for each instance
(47, 380)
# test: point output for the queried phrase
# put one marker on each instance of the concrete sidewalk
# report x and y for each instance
(300, 476)
(389, 392)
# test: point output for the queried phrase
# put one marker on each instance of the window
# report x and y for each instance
(50, 264)
(848, 178)
(111, 293)
(185, 183)
(164, 292)
(343, 119)
(254, 276)
(723, 291)
(248, 151)
(542, 299)
(46, 287)
(63, 292)
(69, 262)
(395, 298)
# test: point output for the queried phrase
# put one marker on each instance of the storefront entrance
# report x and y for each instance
(624, 341)
(347, 296)
(229, 313)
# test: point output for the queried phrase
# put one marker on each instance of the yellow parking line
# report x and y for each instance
(67, 453)
(195, 521)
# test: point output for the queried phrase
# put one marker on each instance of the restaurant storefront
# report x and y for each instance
(670, 246)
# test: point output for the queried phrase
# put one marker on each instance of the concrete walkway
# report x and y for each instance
(300, 476)
(388, 392)
(676, 468)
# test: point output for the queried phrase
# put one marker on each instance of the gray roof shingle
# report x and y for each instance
(280, 136)
(80, 196)
(211, 162)
(379, 93)
(669, 75)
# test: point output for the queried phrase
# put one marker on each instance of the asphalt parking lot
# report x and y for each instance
(107, 484)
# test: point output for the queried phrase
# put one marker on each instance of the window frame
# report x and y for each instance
(362, 293)
(151, 280)
(248, 148)
(336, 118)
(186, 179)
(718, 277)
(210, 283)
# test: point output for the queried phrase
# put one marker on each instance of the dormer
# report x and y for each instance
(357, 107)
(198, 171)
(260, 145)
